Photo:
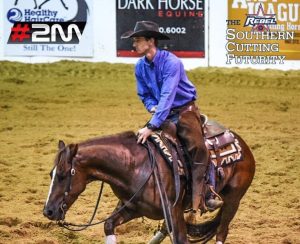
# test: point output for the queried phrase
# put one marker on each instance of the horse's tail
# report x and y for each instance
(203, 232)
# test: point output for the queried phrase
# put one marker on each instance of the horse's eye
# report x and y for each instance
(60, 178)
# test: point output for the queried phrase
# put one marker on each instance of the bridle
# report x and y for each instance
(71, 173)
(63, 205)
(153, 171)
(80, 227)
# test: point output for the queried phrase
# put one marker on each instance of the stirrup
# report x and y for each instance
(213, 204)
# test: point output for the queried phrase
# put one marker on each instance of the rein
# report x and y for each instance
(163, 195)
(63, 206)
(81, 227)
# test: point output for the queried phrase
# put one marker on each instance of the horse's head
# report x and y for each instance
(67, 182)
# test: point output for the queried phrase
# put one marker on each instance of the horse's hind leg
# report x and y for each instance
(121, 217)
(232, 194)
(234, 190)
(229, 209)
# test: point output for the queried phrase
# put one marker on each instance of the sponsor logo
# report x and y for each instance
(14, 15)
(46, 33)
(260, 21)
(46, 26)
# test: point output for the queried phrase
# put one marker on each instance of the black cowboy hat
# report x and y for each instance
(145, 29)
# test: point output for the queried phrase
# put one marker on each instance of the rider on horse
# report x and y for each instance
(167, 93)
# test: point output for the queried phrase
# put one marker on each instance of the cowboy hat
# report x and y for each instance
(145, 29)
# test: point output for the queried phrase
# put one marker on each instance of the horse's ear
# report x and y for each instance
(73, 149)
(61, 145)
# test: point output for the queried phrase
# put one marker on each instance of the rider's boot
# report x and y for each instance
(198, 199)
(198, 187)
(213, 203)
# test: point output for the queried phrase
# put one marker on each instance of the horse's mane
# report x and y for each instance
(126, 137)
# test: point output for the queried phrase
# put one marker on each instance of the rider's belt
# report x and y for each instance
(188, 106)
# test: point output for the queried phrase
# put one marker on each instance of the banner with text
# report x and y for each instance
(263, 31)
(48, 28)
(181, 20)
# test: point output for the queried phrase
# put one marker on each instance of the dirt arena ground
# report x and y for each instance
(74, 101)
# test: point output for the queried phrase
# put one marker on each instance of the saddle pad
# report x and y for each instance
(228, 152)
(160, 142)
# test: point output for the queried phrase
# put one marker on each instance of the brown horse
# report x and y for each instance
(125, 165)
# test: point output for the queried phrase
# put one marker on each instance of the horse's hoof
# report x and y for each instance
(158, 238)
(111, 239)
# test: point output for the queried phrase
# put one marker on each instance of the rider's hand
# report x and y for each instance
(143, 134)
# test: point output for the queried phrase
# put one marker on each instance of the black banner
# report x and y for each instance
(181, 20)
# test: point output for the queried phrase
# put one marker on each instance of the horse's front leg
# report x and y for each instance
(179, 231)
(124, 215)
(160, 235)
(179, 227)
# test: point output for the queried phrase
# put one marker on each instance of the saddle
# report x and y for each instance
(221, 143)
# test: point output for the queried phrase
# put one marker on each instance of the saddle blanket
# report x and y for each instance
(165, 146)
(224, 149)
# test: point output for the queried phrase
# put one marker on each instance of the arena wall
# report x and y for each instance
(103, 14)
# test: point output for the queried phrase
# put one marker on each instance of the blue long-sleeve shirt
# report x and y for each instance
(163, 83)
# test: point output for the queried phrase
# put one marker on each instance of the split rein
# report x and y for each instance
(80, 227)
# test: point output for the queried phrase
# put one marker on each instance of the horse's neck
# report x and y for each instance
(109, 163)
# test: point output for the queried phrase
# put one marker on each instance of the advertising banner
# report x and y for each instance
(263, 31)
(181, 20)
(48, 28)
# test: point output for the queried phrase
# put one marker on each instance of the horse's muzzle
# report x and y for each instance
(54, 214)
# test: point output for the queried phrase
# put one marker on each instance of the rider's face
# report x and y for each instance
(141, 45)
